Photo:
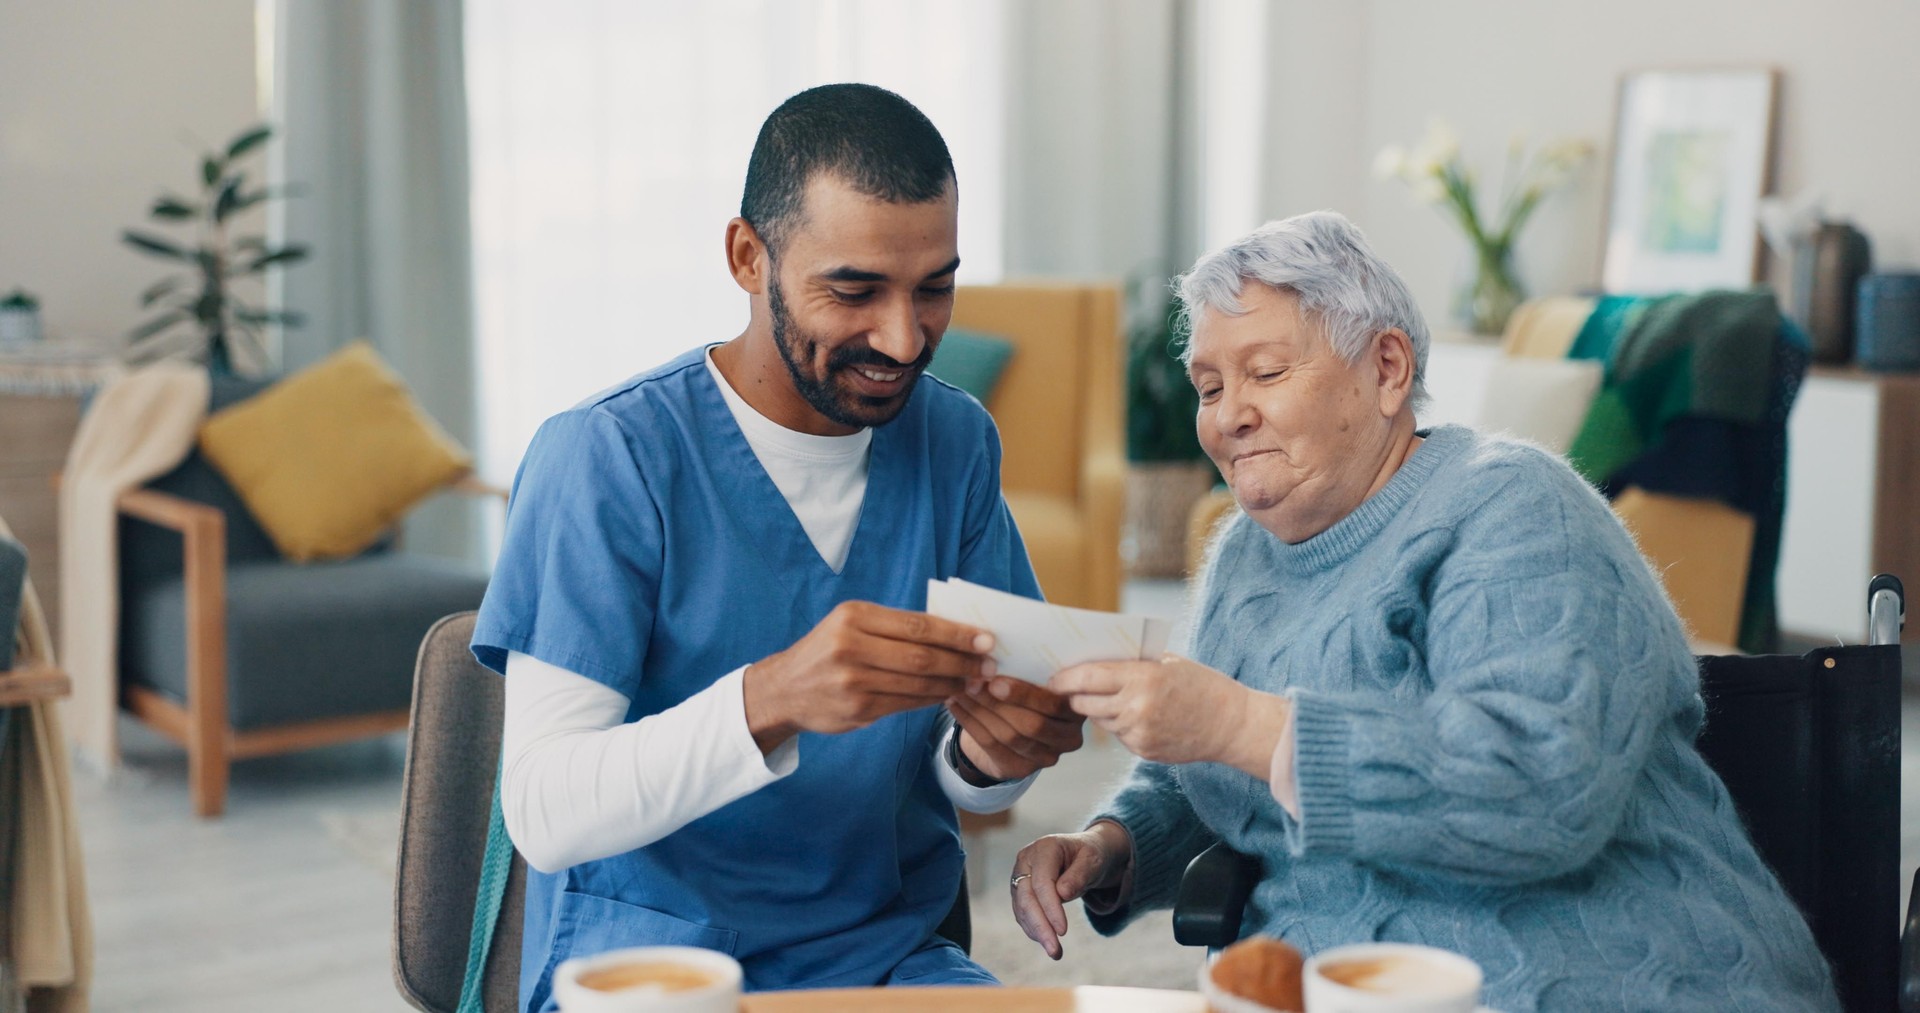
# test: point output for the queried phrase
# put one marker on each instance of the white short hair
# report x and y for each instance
(1324, 261)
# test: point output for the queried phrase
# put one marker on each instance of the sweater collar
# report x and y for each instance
(1349, 534)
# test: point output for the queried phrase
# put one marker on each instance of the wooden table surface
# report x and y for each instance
(1085, 999)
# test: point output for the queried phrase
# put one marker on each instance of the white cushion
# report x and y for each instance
(1542, 400)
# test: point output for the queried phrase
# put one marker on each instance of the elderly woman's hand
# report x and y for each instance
(1057, 869)
(1178, 711)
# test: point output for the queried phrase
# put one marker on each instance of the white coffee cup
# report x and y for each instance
(721, 993)
(1390, 978)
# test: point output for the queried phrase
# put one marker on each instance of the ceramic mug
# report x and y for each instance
(1390, 978)
(657, 979)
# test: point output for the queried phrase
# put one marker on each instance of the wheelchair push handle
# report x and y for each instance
(1886, 609)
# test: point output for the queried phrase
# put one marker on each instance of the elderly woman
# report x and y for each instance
(1435, 688)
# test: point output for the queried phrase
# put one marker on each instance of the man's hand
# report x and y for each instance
(1010, 728)
(1178, 711)
(860, 664)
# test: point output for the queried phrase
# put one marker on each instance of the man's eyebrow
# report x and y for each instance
(854, 274)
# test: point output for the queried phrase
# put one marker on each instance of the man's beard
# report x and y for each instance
(846, 407)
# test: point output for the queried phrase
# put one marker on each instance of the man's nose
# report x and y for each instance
(898, 334)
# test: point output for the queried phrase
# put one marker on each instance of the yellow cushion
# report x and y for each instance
(333, 455)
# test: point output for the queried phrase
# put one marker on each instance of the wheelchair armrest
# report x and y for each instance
(1213, 897)
(1910, 952)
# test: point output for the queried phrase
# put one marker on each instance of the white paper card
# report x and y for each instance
(1033, 640)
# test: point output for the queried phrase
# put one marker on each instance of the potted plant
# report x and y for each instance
(1439, 176)
(19, 318)
(200, 315)
(1167, 470)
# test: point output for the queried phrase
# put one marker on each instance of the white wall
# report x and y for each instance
(104, 103)
(1350, 78)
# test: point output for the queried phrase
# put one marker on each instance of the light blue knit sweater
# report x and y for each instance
(1495, 715)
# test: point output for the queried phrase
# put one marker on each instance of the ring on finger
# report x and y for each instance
(1015, 881)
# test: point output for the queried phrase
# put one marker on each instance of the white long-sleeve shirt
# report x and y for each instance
(581, 783)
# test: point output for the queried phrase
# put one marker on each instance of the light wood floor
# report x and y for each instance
(283, 904)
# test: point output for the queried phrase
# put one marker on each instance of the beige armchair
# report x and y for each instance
(1059, 409)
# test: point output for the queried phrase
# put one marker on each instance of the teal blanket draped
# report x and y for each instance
(1708, 355)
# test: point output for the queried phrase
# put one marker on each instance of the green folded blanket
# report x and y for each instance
(1669, 356)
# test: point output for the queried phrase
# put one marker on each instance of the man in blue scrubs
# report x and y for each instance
(728, 724)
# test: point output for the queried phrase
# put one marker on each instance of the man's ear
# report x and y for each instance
(1393, 359)
(747, 257)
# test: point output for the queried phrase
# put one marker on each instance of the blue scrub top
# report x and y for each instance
(647, 549)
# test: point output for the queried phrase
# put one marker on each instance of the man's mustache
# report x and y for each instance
(848, 358)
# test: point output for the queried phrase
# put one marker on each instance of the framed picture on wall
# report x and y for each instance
(1692, 155)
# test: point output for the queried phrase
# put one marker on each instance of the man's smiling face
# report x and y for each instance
(861, 293)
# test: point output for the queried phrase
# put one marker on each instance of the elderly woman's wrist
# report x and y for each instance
(1263, 722)
(1116, 849)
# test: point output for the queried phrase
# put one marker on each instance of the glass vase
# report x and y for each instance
(1490, 292)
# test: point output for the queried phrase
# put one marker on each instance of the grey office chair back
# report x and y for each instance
(453, 757)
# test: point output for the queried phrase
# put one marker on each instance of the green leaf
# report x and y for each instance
(156, 325)
(158, 289)
(152, 244)
(224, 204)
(1161, 401)
(173, 209)
(267, 193)
(285, 255)
(258, 317)
(248, 141)
(211, 168)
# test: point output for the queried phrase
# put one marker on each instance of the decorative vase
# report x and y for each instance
(19, 326)
(1491, 293)
(1160, 495)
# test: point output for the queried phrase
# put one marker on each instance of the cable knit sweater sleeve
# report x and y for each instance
(1166, 836)
(1550, 654)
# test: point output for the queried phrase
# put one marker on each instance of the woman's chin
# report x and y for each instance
(1257, 497)
(1283, 520)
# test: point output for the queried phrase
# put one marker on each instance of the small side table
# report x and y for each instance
(41, 394)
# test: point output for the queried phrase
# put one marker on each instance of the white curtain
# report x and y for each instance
(1137, 134)
(610, 143)
(1092, 136)
(369, 99)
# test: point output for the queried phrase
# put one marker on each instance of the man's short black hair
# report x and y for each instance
(873, 139)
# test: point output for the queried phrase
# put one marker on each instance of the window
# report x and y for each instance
(609, 145)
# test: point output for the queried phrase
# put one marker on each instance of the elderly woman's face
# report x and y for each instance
(1300, 435)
